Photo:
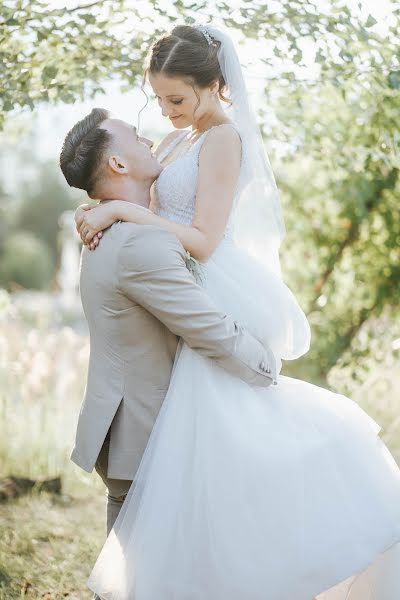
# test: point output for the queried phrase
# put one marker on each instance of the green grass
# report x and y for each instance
(48, 545)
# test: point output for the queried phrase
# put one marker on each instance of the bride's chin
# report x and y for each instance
(180, 123)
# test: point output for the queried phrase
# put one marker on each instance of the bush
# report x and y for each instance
(25, 261)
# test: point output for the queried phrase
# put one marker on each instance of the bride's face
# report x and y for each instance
(178, 100)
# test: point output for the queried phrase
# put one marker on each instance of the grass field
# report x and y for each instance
(48, 544)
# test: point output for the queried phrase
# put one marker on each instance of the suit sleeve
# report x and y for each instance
(153, 273)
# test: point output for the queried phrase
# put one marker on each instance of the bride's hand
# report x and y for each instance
(95, 241)
(80, 211)
(92, 222)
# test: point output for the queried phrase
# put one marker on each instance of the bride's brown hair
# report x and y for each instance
(185, 53)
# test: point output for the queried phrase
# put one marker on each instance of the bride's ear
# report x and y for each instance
(117, 164)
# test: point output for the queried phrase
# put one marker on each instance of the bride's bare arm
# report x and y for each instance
(219, 167)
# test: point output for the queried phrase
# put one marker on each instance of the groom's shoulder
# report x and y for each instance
(147, 246)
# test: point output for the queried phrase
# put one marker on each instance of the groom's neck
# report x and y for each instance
(136, 192)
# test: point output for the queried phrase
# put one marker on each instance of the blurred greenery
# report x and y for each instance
(29, 230)
(25, 261)
(50, 197)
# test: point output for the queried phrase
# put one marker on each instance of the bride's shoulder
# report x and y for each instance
(222, 138)
(169, 138)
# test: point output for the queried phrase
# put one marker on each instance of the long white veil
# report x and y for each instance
(257, 220)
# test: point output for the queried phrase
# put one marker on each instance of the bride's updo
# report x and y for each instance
(185, 52)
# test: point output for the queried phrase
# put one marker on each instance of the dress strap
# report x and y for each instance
(200, 141)
(220, 125)
(168, 149)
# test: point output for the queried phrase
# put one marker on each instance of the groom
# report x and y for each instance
(139, 298)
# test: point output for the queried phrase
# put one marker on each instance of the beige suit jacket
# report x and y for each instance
(139, 299)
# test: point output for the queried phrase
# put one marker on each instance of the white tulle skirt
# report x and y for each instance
(243, 493)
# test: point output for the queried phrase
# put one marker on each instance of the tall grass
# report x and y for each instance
(44, 352)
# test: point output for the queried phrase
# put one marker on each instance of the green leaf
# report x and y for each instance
(42, 34)
(49, 72)
(394, 80)
(90, 19)
(298, 56)
(346, 56)
(370, 21)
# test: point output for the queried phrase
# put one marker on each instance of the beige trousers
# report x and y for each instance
(117, 489)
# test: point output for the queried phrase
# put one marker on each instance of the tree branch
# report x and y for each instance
(388, 183)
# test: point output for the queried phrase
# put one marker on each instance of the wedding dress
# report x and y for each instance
(284, 493)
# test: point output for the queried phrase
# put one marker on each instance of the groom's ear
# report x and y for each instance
(117, 164)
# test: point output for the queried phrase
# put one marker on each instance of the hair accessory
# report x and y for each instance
(204, 31)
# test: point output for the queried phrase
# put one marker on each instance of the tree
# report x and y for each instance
(341, 185)
(30, 215)
(64, 54)
(41, 204)
(26, 262)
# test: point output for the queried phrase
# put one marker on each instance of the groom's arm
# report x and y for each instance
(153, 273)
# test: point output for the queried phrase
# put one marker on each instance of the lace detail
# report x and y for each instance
(177, 184)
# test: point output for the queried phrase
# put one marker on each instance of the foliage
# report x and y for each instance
(43, 50)
(340, 189)
(42, 203)
(38, 198)
(25, 262)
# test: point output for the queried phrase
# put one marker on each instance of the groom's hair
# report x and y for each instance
(81, 157)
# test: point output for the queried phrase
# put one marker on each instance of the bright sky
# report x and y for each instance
(54, 121)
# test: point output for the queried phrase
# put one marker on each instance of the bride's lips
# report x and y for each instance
(174, 118)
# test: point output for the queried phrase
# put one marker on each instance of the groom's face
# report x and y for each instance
(131, 150)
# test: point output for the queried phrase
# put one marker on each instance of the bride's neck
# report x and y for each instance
(208, 120)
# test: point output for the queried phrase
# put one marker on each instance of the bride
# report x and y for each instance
(286, 493)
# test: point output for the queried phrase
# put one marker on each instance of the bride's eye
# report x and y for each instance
(172, 101)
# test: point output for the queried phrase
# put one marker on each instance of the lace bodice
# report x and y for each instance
(177, 184)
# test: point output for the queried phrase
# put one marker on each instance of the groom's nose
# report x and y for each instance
(148, 143)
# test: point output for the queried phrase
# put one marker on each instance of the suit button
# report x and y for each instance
(262, 366)
(268, 370)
